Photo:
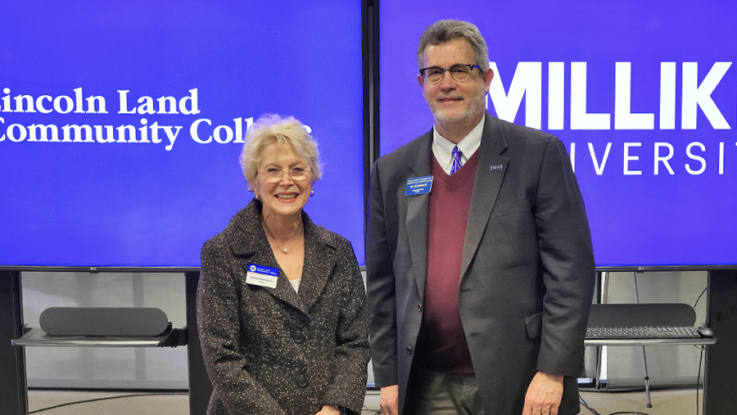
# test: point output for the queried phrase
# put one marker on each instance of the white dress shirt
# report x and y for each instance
(442, 148)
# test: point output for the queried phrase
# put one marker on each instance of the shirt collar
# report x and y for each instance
(442, 148)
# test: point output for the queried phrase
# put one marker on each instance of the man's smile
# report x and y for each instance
(449, 99)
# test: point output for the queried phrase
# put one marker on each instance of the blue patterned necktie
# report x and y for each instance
(456, 160)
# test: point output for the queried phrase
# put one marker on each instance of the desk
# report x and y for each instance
(721, 358)
(649, 342)
(623, 315)
(13, 386)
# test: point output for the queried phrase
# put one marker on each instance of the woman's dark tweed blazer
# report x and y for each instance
(273, 351)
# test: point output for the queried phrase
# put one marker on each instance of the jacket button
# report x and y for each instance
(298, 336)
(302, 380)
(409, 349)
(419, 306)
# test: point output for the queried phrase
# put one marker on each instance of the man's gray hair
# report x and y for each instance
(445, 30)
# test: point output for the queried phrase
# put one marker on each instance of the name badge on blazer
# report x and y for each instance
(418, 186)
(262, 276)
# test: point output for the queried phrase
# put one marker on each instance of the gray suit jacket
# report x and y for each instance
(527, 273)
(273, 351)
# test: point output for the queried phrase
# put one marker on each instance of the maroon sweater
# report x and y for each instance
(441, 345)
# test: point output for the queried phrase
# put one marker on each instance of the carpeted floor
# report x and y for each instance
(665, 402)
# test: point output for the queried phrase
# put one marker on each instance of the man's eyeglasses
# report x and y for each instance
(275, 174)
(459, 72)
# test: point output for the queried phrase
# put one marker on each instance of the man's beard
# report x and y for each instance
(476, 106)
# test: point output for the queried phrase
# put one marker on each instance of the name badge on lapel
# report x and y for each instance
(262, 276)
(418, 186)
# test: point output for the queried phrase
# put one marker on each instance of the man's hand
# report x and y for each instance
(389, 400)
(543, 395)
(328, 410)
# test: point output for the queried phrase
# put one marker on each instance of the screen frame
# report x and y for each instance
(370, 14)
(674, 266)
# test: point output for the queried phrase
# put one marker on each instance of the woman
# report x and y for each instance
(281, 305)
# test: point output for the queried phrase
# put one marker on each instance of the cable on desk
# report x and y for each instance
(699, 298)
(701, 358)
(698, 378)
(586, 405)
(102, 399)
(375, 411)
(594, 412)
(637, 411)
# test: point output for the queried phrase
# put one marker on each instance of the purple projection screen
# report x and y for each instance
(643, 94)
(121, 122)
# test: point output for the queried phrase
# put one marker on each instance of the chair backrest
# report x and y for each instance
(103, 321)
(651, 314)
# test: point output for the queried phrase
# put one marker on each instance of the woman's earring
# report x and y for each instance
(312, 192)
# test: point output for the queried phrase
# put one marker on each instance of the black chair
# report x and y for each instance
(629, 315)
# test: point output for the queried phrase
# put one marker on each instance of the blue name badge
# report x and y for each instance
(418, 186)
(262, 276)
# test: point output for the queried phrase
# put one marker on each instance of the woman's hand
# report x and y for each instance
(328, 410)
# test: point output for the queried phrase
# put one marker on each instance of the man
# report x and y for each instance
(480, 270)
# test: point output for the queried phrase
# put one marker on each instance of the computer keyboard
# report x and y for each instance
(643, 332)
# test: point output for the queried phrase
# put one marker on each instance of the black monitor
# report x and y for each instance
(121, 122)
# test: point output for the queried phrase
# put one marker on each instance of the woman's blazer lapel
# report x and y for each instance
(248, 242)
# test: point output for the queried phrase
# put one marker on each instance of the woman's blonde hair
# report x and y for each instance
(274, 129)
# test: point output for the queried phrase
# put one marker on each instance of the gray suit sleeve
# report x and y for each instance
(381, 288)
(567, 259)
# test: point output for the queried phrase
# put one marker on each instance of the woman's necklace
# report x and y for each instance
(272, 240)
